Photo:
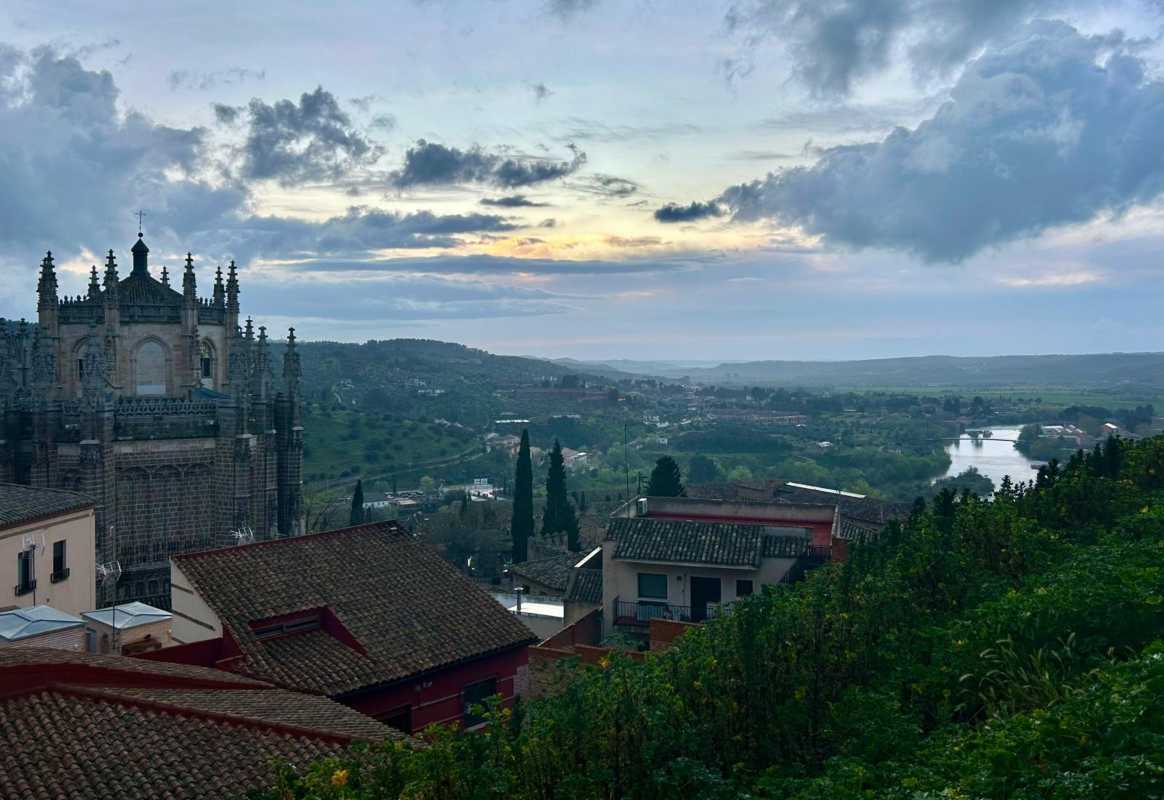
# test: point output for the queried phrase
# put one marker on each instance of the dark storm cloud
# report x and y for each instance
(837, 42)
(512, 201)
(306, 141)
(71, 165)
(432, 164)
(205, 81)
(688, 213)
(1050, 129)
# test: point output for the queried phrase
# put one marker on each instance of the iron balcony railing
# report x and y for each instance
(629, 612)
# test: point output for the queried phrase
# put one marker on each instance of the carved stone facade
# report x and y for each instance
(159, 406)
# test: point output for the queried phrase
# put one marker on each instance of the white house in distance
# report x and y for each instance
(687, 559)
(47, 549)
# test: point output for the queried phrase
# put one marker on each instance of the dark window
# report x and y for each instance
(743, 588)
(80, 369)
(652, 586)
(25, 572)
(60, 565)
(473, 697)
(153, 587)
(205, 367)
(304, 624)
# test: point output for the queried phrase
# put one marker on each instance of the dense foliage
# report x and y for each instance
(1012, 648)
(666, 479)
(522, 524)
(559, 516)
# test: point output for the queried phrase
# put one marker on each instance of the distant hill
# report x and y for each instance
(1104, 371)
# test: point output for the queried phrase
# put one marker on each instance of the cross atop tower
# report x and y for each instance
(140, 216)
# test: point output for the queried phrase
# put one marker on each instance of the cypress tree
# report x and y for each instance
(522, 526)
(559, 516)
(358, 503)
(666, 479)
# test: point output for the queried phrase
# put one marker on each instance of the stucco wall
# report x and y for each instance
(194, 621)
(74, 594)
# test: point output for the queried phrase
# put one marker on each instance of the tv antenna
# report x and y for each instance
(109, 573)
(244, 535)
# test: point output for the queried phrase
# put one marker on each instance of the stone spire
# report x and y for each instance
(188, 284)
(219, 291)
(165, 276)
(292, 372)
(232, 288)
(110, 271)
(141, 257)
(46, 287)
(94, 286)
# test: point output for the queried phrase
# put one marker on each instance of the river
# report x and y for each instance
(992, 457)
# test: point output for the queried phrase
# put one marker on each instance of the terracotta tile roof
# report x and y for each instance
(553, 572)
(585, 587)
(721, 544)
(407, 610)
(866, 509)
(80, 726)
(785, 546)
(20, 504)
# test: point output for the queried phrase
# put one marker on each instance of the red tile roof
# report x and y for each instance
(81, 726)
(400, 609)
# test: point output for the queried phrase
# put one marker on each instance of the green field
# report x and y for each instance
(343, 444)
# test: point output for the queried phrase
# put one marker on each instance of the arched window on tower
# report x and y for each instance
(149, 369)
(206, 364)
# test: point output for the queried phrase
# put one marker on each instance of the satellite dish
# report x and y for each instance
(33, 541)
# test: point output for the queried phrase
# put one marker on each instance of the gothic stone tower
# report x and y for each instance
(158, 405)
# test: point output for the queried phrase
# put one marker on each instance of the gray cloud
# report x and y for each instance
(432, 164)
(603, 185)
(226, 115)
(387, 297)
(540, 91)
(311, 140)
(497, 265)
(838, 42)
(583, 130)
(71, 164)
(358, 232)
(512, 201)
(565, 9)
(1053, 128)
(205, 81)
(688, 213)
(383, 122)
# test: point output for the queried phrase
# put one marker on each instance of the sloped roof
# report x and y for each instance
(128, 615)
(21, 623)
(20, 504)
(722, 544)
(407, 609)
(553, 571)
(83, 726)
(585, 587)
(865, 509)
(144, 289)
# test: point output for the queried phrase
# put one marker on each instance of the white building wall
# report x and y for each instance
(72, 595)
(194, 621)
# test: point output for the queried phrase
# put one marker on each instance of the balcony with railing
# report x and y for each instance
(640, 614)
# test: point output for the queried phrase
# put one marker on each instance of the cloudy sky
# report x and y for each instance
(694, 179)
